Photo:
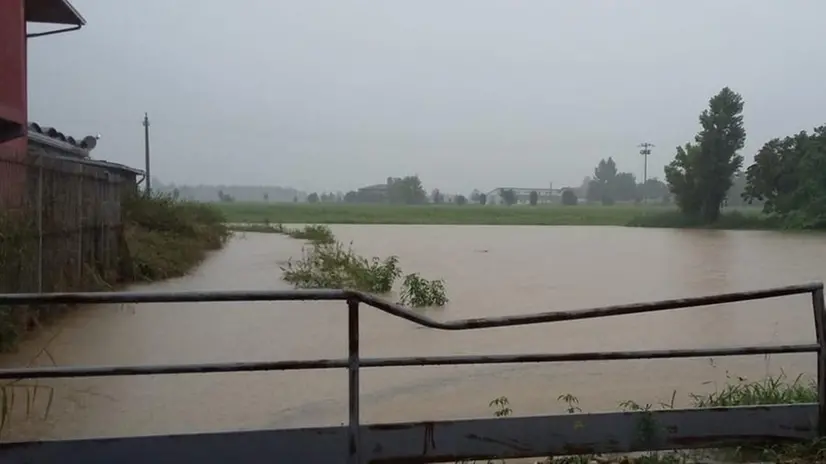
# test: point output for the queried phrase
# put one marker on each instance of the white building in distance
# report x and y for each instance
(523, 195)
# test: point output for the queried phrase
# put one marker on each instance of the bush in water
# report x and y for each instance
(419, 292)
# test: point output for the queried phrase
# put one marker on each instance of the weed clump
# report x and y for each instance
(738, 391)
(166, 238)
(329, 264)
(418, 291)
(313, 233)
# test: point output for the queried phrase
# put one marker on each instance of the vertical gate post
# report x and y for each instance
(353, 373)
(820, 330)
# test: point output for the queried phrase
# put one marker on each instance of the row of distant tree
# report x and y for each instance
(788, 175)
(227, 193)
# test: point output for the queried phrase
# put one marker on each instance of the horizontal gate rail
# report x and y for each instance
(443, 440)
(447, 441)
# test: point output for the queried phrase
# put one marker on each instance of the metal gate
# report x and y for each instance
(439, 441)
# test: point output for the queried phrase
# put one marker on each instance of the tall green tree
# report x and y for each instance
(789, 176)
(509, 197)
(701, 173)
(437, 197)
(533, 198)
(652, 189)
(625, 187)
(601, 187)
(407, 190)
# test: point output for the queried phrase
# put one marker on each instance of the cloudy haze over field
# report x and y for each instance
(333, 95)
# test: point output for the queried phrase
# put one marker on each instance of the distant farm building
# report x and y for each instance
(378, 193)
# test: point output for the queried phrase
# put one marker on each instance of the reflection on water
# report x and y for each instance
(525, 269)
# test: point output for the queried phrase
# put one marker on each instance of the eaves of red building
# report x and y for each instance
(14, 16)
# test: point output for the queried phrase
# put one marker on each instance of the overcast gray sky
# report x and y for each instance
(333, 95)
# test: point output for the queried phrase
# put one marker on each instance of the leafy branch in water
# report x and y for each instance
(419, 292)
(329, 264)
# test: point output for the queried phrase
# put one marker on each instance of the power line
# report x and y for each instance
(146, 152)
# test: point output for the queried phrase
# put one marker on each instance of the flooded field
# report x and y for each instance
(489, 271)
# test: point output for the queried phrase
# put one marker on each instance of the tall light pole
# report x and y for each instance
(645, 150)
(146, 153)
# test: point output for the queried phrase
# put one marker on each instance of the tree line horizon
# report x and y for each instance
(787, 177)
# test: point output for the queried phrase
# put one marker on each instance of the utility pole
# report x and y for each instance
(146, 151)
(645, 150)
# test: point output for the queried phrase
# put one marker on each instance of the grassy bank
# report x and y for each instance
(161, 239)
(167, 239)
(550, 215)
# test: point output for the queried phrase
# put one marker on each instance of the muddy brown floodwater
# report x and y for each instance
(489, 271)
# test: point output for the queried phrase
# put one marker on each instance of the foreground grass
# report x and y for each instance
(548, 215)
(772, 390)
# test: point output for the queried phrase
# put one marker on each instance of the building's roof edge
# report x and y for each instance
(100, 163)
(76, 151)
(53, 12)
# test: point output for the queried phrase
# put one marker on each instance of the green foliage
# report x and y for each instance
(461, 200)
(701, 173)
(652, 189)
(772, 390)
(501, 406)
(609, 186)
(331, 265)
(600, 187)
(732, 220)
(569, 198)
(508, 197)
(167, 238)
(533, 198)
(406, 191)
(18, 259)
(789, 175)
(312, 198)
(222, 197)
(328, 264)
(13, 391)
(483, 199)
(625, 187)
(244, 214)
(313, 233)
(420, 292)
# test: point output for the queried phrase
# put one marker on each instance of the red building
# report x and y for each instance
(14, 16)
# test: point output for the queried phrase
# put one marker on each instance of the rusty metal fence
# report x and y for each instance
(441, 441)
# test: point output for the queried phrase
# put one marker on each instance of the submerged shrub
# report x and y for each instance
(313, 233)
(419, 292)
(331, 265)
